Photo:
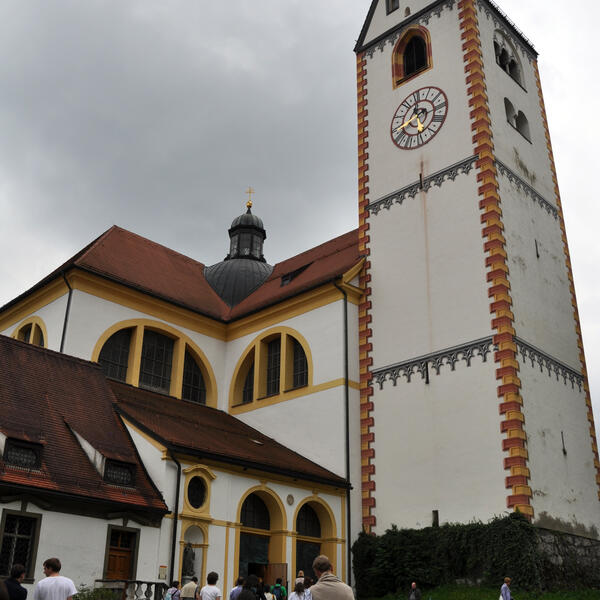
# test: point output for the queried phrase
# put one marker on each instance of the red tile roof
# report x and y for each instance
(214, 434)
(139, 263)
(46, 397)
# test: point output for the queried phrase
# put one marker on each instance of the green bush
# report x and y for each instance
(478, 552)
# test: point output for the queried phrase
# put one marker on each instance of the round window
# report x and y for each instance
(197, 492)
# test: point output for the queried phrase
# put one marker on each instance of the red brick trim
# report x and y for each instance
(586, 387)
(364, 315)
(509, 384)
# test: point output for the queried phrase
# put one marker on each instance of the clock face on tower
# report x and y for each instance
(419, 117)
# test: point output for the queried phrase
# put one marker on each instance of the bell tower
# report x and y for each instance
(474, 395)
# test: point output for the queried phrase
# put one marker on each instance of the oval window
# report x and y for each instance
(197, 492)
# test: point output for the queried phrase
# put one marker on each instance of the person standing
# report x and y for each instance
(329, 587)
(54, 586)
(188, 591)
(415, 592)
(235, 592)
(211, 591)
(278, 590)
(505, 589)
(13, 584)
(174, 592)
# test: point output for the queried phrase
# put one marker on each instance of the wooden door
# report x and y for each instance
(275, 570)
(120, 554)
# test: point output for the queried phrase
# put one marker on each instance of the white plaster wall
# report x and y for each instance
(152, 460)
(391, 168)
(381, 21)
(428, 274)
(439, 447)
(82, 556)
(312, 425)
(53, 315)
(529, 160)
(564, 486)
(539, 286)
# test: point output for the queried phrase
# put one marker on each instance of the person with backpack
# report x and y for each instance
(278, 591)
(173, 593)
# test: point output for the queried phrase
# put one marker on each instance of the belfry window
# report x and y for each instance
(411, 55)
(114, 355)
(157, 357)
(415, 56)
(391, 5)
(506, 57)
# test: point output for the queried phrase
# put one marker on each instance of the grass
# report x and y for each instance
(456, 592)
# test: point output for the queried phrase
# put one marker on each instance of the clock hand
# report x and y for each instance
(420, 125)
(407, 123)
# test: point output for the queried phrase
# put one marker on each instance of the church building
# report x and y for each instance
(243, 417)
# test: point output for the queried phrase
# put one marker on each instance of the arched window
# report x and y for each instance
(194, 388)
(511, 114)
(506, 57)
(31, 332)
(114, 355)
(255, 513)
(307, 522)
(300, 374)
(522, 125)
(415, 55)
(411, 55)
(275, 363)
(157, 357)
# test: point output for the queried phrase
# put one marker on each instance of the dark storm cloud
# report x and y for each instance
(157, 115)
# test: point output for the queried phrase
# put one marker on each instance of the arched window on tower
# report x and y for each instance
(506, 57)
(511, 114)
(411, 55)
(522, 125)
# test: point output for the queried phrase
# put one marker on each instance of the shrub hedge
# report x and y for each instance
(478, 552)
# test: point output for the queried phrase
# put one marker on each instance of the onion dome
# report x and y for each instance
(244, 268)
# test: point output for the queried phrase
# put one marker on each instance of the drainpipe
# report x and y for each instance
(347, 431)
(174, 533)
(67, 311)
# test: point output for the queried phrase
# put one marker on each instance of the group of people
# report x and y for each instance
(53, 587)
(328, 587)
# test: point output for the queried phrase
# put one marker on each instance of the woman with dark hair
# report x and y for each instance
(299, 592)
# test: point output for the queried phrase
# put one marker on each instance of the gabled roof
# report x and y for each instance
(360, 45)
(191, 428)
(46, 398)
(136, 262)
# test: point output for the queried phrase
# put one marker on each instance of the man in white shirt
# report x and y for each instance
(55, 586)
(210, 591)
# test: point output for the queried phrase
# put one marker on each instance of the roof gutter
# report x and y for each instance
(67, 312)
(347, 434)
(175, 513)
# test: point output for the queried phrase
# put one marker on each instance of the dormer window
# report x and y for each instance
(22, 454)
(119, 473)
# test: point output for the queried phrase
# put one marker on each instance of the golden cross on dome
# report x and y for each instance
(249, 191)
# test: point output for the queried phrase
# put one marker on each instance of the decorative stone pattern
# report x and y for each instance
(436, 179)
(551, 365)
(367, 453)
(526, 189)
(423, 19)
(507, 373)
(423, 364)
(494, 12)
(588, 400)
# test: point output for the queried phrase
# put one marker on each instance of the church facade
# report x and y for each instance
(426, 368)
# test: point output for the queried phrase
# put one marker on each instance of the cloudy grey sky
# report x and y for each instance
(157, 114)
